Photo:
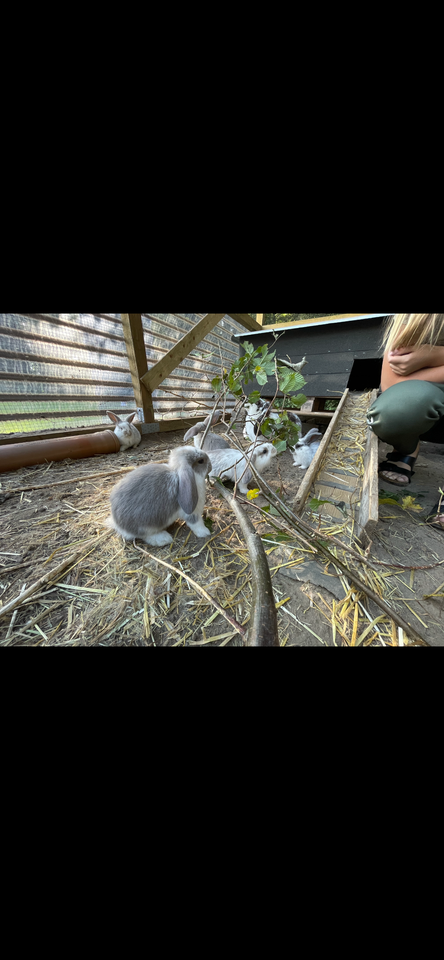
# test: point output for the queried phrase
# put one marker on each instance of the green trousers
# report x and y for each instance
(408, 412)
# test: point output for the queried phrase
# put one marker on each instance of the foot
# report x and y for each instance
(159, 539)
(399, 479)
(437, 521)
(436, 516)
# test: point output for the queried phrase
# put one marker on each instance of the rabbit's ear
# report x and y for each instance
(214, 419)
(131, 417)
(187, 493)
(313, 436)
(113, 417)
(193, 431)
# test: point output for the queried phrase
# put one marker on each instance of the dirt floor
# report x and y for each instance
(102, 591)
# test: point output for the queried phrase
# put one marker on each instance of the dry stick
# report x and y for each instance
(316, 540)
(17, 566)
(237, 626)
(262, 629)
(40, 583)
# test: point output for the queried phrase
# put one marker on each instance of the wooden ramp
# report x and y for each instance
(345, 470)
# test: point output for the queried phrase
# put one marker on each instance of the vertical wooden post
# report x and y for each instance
(135, 346)
(260, 318)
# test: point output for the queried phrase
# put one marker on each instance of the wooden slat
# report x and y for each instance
(160, 426)
(171, 360)
(317, 461)
(81, 328)
(368, 515)
(245, 320)
(67, 362)
(135, 346)
(17, 415)
(312, 320)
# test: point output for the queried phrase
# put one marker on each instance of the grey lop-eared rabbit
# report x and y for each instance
(151, 498)
(127, 435)
(212, 440)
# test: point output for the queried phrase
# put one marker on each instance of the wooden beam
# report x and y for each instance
(369, 509)
(245, 320)
(260, 318)
(162, 369)
(135, 346)
(313, 469)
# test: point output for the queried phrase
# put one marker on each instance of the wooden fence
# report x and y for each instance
(61, 372)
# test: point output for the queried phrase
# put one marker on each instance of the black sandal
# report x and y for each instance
(391, 465)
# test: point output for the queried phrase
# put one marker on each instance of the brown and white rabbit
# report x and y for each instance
(231, 465)
(212, 440)
(152, 497)
(306, 448)
(126, 433)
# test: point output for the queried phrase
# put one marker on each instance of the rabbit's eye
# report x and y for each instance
(201, 460)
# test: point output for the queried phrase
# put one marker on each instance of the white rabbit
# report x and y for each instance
(257, 413)
(212, 440)
(231, 465)
(253, 411)
(152, 497)
(126, 433)
(306, 448)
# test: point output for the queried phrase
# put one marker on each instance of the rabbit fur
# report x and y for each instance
(306, 448)
(231, 465)
(212, 440)
(127, 435)
(152, 497)
(257, 412)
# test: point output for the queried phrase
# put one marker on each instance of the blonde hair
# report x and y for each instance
(408, 329)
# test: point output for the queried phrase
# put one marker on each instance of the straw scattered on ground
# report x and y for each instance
(65, 580)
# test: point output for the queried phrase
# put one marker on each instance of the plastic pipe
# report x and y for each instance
(15, 455)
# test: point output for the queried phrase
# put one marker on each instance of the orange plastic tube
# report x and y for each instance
(15, 455)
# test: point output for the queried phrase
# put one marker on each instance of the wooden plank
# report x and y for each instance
(135, 346)
(260, 318)
(162, 369)
(159, 426)
(317, 320)
(317, 461)
(57, 414)
(245, 320)
(368, 515)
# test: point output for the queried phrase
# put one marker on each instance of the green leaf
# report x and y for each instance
(254, 396)
(261, 376)
(315, 504)
(216, 384)
(280, 445)
(280, 537)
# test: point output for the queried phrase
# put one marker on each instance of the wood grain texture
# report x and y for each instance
(135, 348)
(245, 320)
(368, 515)
(318, 458)
(174, 357)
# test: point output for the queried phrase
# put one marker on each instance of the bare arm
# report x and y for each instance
(423, 363)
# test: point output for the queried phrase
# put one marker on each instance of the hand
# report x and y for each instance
(408, 360)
